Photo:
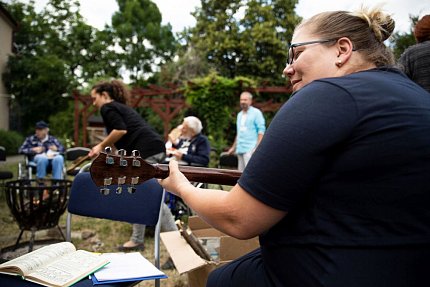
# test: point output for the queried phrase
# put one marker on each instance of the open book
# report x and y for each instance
(55, 265)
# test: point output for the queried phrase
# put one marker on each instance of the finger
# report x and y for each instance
(173, 166)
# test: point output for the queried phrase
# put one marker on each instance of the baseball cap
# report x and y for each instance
(41, 125)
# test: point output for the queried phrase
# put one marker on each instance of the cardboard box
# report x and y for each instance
(187, 261)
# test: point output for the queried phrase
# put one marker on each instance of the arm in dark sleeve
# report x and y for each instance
(26, 147)
(201, 155)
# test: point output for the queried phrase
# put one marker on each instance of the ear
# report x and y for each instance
(344, 49)
(105, 95)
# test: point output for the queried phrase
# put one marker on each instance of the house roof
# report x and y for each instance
(8, 17)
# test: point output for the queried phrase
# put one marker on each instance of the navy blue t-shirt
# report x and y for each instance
(349, 159)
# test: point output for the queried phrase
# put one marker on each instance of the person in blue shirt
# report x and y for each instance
(250, 128)
(42, 150)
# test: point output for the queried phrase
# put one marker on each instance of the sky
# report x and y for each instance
(178, 12)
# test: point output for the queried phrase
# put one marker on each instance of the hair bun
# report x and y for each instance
(381, 23)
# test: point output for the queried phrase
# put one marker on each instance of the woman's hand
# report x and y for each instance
(176, 182)
(95, 151)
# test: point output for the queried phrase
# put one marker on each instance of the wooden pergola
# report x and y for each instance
(166, 102)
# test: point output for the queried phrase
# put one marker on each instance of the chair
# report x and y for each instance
(27, 169)
(75, 154)
(141, 207)
(4, 175)
(227, 161)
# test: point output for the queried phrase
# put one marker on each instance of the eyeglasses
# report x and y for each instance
(291, 57)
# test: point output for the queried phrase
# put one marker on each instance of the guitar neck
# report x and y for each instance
(201, 174)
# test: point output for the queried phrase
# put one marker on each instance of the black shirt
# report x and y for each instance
(140, 135)
(349, 159)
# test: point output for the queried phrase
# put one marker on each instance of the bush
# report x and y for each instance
(11, 141)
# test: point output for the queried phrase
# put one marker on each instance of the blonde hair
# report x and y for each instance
(366, 28)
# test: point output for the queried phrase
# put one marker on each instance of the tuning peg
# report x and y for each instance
(106, 181)
(109, 159)
(122, 153)
(121, 181)
(132, 188)
(135, 154)
(104, 191)
(118, 190)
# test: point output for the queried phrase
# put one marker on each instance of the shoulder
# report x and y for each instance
(201, 138)
(52, 138)
(255, 110)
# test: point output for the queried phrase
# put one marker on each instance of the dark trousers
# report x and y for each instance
(247, 270)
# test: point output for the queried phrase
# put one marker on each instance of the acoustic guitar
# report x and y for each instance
(118, 169)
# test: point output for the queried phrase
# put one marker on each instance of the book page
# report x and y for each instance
(127, 266)
(27, 263)
(70, 268)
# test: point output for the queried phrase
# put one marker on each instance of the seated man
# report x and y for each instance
(192, 147)
(44, 149)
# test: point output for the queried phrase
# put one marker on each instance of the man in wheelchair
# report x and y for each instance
(43, 151)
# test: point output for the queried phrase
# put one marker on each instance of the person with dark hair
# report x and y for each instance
(129, 131)
(338, 190)
(42, 150)
(415, 60)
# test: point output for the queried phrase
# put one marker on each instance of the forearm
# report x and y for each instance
(112, 138)
(234, 212)
(213, 206)
(259, 138)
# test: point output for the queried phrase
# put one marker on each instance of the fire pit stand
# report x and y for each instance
(37, 204)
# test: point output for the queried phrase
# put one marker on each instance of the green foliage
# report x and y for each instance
(58, 52)
(214, 100)
(11, 141)
(61, 125)
(37, 83)
(401, 41)
(253, 45)
(138, 30)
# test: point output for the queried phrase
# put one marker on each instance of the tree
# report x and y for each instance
(144, 41)
(245, 38)
(36, 76)
(401, 41)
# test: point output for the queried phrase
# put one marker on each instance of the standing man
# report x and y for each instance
(250, 126)
(42, 150)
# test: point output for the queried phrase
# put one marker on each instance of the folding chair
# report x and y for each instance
(227, 161)
(4, 175)
(75, 154)
(141, 207)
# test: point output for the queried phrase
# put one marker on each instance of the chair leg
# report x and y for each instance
(69, 227)
(61, 232)
(33, 235)
(157, 239)
(17, 241)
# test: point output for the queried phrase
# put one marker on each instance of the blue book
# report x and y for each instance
(126, 267)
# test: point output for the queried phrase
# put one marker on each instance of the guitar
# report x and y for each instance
(119, 169)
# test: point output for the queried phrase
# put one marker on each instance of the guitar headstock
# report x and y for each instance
(120, 170)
